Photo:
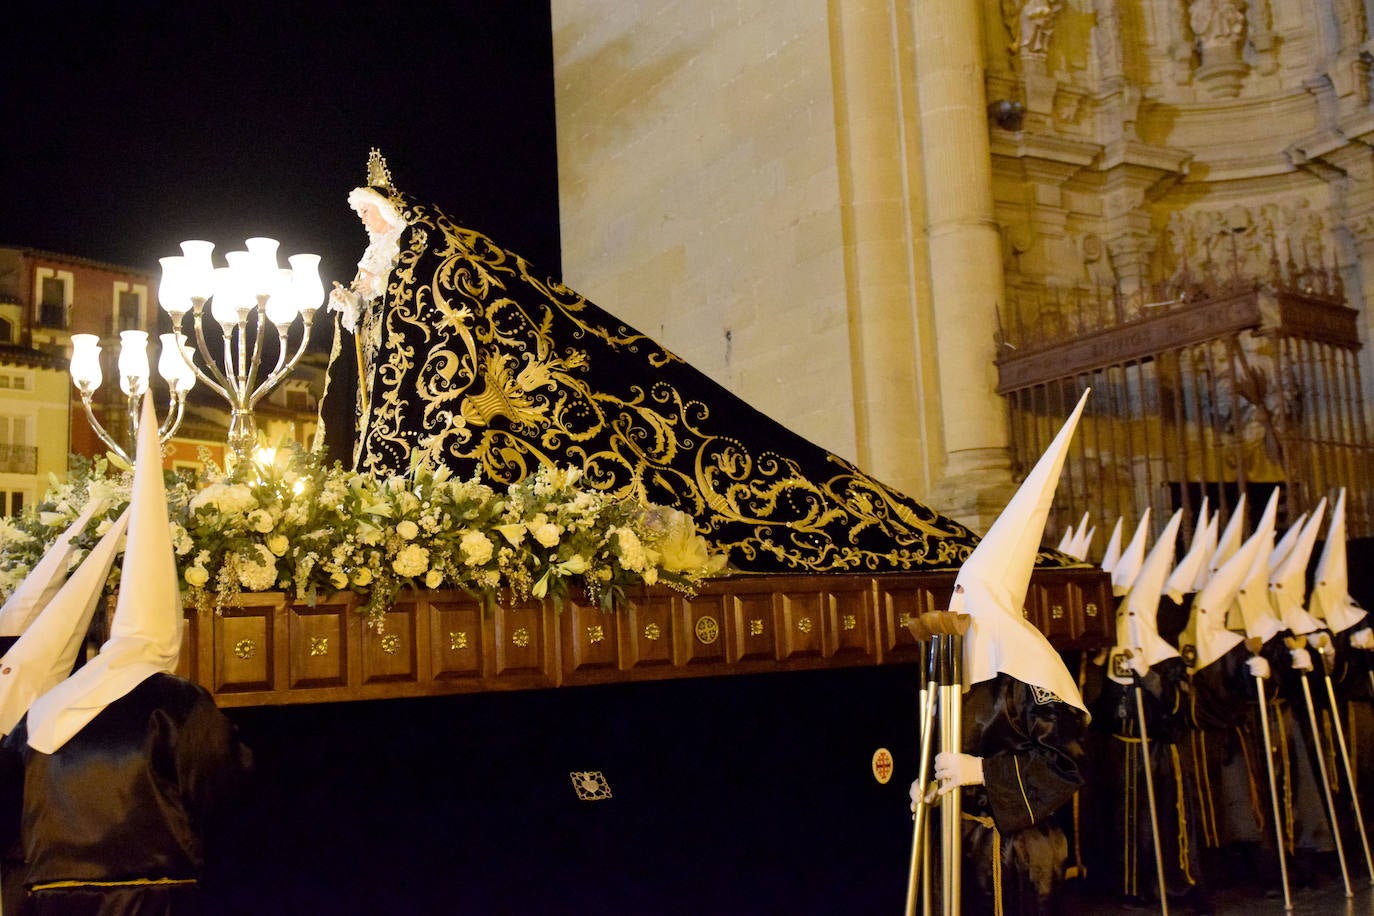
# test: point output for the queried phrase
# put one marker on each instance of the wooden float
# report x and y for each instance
(268, 650)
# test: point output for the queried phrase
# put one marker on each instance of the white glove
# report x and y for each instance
(958, 770)
(1258, 666)
(1302, 660)
(1363, 638)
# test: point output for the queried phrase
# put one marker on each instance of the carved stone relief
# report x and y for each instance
(1282, 244)
(1031, 24)
(1219, 31)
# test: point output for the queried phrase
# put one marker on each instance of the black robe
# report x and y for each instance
(476, 361)
(1032, 747)
(1350, 673)
(1127, 857)
(1225, 753)
(1308, 826)
(119, 818)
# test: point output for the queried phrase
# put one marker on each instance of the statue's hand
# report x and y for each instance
(347, 303)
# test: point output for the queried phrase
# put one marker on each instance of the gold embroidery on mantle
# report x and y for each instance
(476, 361)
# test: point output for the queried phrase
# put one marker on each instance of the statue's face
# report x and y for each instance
(372, 218)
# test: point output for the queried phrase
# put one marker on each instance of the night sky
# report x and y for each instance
(132, 126)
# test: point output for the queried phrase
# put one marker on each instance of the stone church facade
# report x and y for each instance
(912, 230)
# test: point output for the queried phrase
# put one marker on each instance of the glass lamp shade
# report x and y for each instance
(230, 295)
(199, 269)
(262, 263)
(281, 308)
(133, 362)
(171, 291)
(85, 366)
(172, 367)
(305, 280)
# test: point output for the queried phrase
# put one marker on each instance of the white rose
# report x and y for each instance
(407, 529)
(260, 520)
(196, 576)
(362, 576)
(544, 531)
(338, 580)
(434, 578)
(278, 544)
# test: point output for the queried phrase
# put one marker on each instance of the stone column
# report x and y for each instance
(965, 258)
(886, 272)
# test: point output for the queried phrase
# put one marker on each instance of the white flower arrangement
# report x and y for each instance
(307, 529)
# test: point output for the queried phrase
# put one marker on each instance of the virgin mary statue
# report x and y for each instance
(469, 358)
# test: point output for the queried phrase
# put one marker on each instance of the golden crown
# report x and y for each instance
(378, 175)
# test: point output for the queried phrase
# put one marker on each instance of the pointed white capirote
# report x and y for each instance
(1288, 578)
(47, 651)
(1255, 612)
(1128, 567)
(1113, 552)
(1183, 576)
(992, 583)
(1330, 600)
(1137, 621)
(47, 576)
(146, 630)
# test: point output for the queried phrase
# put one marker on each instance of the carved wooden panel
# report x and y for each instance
(456, 638)
(245, 646)
(1056, 611)
(319, 644)
(852, 625)
(802, 621)
(901, 599)
(518, 640)
(392, 655)
(752, 631)
(651, 632)
(590, 638)
(706, 624)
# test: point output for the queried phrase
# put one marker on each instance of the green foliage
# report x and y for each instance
(296, 525)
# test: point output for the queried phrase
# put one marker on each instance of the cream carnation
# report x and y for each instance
(257, 568)
(476, 548)
(412, 560)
